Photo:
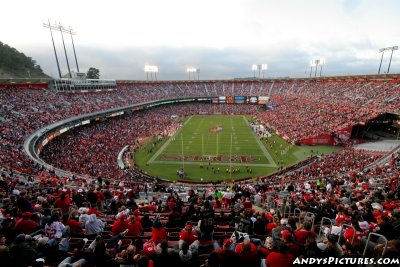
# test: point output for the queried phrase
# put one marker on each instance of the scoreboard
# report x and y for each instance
(254, 100)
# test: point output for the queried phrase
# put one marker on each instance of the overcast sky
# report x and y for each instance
(222, 38)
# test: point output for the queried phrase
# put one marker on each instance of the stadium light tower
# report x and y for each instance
(254, 67)
(321, 63)
(264, 67)
(312, 64)
(151, 69)
(191, 70)
(60, 27)
(70, 31)
(50, 27)
(382, 50)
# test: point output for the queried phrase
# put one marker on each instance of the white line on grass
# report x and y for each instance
(164, 146)
(262, 147)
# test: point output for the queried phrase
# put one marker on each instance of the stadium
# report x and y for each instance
(253, 171)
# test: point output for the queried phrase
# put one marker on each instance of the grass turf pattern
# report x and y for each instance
(207, 147)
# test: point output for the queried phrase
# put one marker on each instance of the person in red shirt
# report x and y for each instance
(247, 252)
(136, 213)
(134, 227)
(93, 210)
(279, 258)
(287, 239)
(247, 204)
(188, 236)
(25, 225)
(100, 198)
(349, 234)
(304, 232)
(120, 225)
(75, 226)
(227, 257)
(270, 226)
(63, 202)
(158, 233)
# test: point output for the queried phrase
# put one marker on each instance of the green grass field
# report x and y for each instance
(208, 146)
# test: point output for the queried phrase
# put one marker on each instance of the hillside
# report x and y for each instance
(14, 64)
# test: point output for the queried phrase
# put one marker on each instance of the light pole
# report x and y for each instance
(311, 65)
(322, 62)
(315, 63)
(151, 69)
(382, 50)
(254, 67)
(264, 67)
(50, 27)
(191, 70)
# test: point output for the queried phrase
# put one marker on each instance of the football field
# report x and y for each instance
(214, 140)
(219, 148)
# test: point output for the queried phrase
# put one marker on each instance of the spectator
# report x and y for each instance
(119, 225)
(22, 253)
(227, 256)
(189, 236)
(280, 257)
(207, 221)
(247, 252)
(25, 225)
(134, 227)
(94, 226)
(158, 233)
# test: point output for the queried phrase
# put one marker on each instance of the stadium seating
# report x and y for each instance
(342, 187)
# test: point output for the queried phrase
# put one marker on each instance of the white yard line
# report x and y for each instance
(164, 146)
(262, 147)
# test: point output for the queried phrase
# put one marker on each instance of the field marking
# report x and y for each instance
(262, 147)
(164, 146)
(214, 163)
(167, 143)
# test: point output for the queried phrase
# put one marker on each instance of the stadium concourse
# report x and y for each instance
(115, 217)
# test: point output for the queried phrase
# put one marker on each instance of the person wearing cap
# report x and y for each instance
(136, 213)
(78, 198)
(26, 225)
(287, 238)
(189, 236)
(119, 225)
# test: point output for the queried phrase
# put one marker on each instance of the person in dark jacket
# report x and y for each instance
(22, 253)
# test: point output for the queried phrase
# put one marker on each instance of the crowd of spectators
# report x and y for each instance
(93, 150)
(239, 224)
(310, 109)
(69, 221)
